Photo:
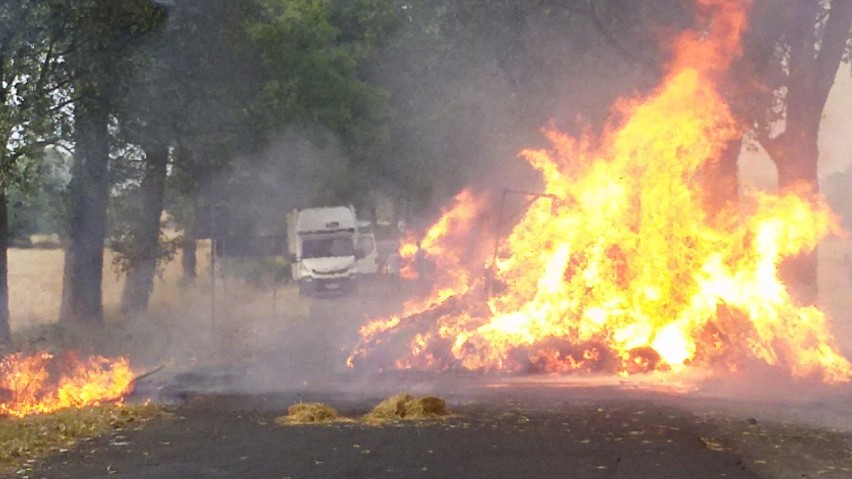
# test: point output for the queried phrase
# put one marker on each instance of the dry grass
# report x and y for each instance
(35, 284)
(310, 413)
(404, 406)
(178, 325)
(23, 441)
(400, 407)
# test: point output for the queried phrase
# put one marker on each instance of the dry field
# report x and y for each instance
(35, 284)
(179, 325)
(36, 287)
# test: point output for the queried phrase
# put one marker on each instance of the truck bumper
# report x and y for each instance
(328, 285)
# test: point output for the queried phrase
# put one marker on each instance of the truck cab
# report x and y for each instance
(322, 244)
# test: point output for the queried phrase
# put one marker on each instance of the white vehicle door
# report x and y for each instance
(368, 255)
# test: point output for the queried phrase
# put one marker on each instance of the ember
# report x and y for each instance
(627, 273)
(43, 383)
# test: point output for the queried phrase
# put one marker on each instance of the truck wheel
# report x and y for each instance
(303, 289)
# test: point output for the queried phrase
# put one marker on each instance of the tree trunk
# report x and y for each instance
(721, 179)
(186, 188)
(82, 300)
(188, 259)
(796, 161)
(140, 277)
(5, 328)
(809, 82)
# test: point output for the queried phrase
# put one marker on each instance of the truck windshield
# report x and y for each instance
(327, 247)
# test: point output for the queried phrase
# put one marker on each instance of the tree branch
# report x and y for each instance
(772, 146)
(831, 51)
(598, 23)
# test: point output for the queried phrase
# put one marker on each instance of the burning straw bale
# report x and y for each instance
(310, 413)
(404, 406)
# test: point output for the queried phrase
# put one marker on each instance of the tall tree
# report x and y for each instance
(103, 32)
(211, 82)
(30, 95)
(145, 229)
(810, 43)
(313, 110)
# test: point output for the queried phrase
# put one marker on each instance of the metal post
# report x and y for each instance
(212, 282)
(493, 266)
(223, 245)
(274, 299)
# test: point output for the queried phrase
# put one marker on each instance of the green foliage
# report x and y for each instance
(311, 64)
(123, 237)
(38, 205)
(31, 92)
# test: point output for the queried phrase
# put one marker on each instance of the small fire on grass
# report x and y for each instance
(43, 383)
(618, 267)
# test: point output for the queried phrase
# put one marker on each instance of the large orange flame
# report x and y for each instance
(627, 273)
(41, 383)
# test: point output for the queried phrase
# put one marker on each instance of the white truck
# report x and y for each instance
(326, 248)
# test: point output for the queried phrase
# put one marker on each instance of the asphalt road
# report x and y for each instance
(235, 437)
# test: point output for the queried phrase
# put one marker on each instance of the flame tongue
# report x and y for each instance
(627, 273)
(41, 383)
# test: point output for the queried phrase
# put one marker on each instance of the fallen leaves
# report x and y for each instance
(712, 444)
(25, 440)
(775, 449)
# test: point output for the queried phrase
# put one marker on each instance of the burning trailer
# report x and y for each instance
(629, 273)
